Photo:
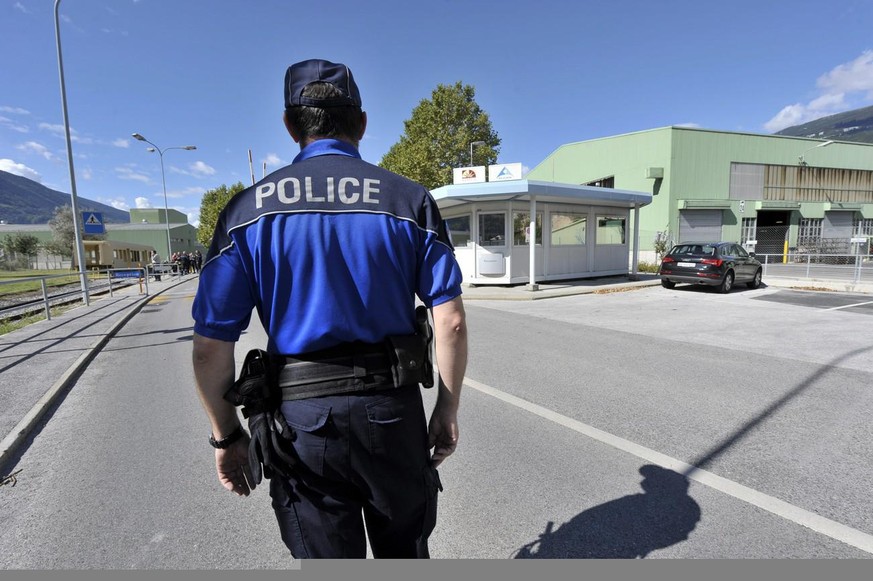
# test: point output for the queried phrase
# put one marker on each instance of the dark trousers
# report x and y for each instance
(365, 465)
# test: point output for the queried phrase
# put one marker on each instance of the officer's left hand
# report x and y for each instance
(232, 464)
(442, 433)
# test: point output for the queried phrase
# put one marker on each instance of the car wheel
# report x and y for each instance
(668, 284)
(756, 282)
(727, 283)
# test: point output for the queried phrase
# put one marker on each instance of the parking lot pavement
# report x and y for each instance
(39, 362)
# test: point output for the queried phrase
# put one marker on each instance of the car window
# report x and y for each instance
(741, 252)
(708, 250)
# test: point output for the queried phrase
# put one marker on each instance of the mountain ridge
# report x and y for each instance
(855, 125)
(24, 201)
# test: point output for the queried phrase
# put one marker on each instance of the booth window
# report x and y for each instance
(492, 229)
(521, 228)
(569, 229)
(610, 230)
(459, 230)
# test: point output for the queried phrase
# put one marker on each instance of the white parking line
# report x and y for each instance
(795, 514)
(850, 306)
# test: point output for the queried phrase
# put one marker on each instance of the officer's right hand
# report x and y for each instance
(232, 464)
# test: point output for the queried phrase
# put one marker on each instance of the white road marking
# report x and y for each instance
(850, 306)
(818, 523)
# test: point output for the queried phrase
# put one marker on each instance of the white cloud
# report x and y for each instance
(20, 169)
(201, 169)
(839, 89)
(36, 148)
(198, 169)
(55, 128)
(142, 202)
(6, 122)
(194, 219)
(60, 131)
(87, 174)
(119, 204)
(21, 7)
(689, 125)
(121, 142)
(273, 160)
(14, 110)
(851, 77)
(125, 173)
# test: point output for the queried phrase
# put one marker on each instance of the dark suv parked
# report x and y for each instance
(719, 264)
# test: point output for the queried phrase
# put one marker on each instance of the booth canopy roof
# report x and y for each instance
(522, 190)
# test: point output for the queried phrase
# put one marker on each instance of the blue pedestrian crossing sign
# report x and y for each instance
(93, 222)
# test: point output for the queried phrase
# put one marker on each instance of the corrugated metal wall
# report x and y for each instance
(818, 184)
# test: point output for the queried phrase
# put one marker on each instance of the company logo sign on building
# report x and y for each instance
(504, 172)
(468, 175)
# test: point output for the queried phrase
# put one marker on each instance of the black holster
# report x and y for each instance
(411, 355)
(257, 391)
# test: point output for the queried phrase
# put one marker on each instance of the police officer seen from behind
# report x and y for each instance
(332, 252)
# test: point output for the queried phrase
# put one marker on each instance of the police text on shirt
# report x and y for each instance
(346, 191)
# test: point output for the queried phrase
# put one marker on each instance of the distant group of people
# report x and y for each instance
(181, 262)
(187, 262)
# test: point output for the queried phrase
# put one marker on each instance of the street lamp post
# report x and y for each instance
(164, 183)
(471, 149)
(80, 247)
(800, 157)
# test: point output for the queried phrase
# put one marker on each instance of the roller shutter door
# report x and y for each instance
(703, 225)
(838, 224)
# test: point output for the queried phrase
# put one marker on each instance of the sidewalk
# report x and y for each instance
(40, 362)
(623, 283)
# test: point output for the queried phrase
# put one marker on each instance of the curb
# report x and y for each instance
(485, 294)
(22, 430)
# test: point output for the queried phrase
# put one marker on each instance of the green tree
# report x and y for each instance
(63, 233)
(438, 135)
(211, 205)
(19, 249)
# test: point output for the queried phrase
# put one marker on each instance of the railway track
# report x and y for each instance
(14, 306)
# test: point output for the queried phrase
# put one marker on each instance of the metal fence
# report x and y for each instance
(854, 268)
(40, 295)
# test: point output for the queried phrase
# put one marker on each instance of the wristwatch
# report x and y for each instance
(227, 440)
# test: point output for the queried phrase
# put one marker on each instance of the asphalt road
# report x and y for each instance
(570, 406)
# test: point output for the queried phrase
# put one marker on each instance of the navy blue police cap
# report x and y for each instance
(301, 74)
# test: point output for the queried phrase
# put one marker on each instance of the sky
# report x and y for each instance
(209, 73)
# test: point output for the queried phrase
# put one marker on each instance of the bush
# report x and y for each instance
(652, 267)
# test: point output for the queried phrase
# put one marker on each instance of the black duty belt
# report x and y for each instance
(354, 368)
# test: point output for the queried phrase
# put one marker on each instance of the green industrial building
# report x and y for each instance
(148, 227)
(771, 193)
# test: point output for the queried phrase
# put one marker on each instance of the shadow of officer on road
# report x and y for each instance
(630, 527)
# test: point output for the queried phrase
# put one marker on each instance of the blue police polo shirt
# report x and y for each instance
(329, 249)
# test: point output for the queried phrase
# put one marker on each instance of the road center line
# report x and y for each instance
(850, 306)
(819, 524)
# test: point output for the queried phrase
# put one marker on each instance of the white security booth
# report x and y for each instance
(578, 231)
